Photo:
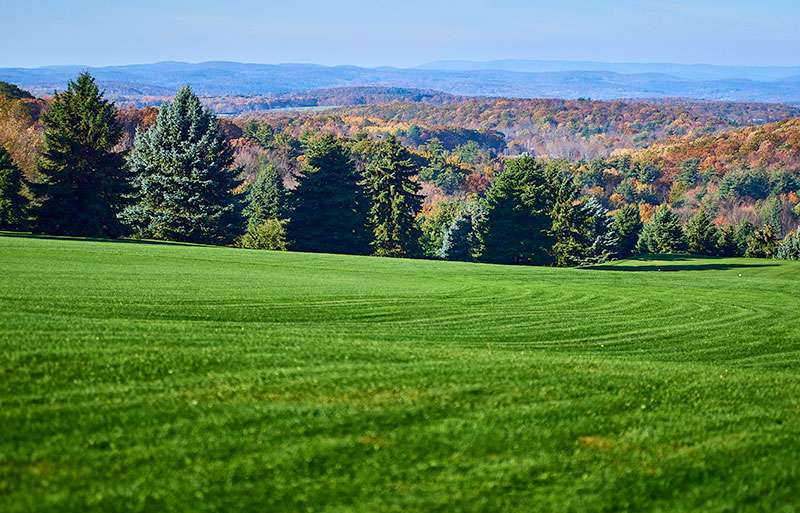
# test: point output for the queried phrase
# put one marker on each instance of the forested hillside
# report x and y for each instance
(330, 97)
(769, 146)
(580, 181)
(578, 128)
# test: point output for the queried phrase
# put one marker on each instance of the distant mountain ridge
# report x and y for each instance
(230, 78)
(687, 71)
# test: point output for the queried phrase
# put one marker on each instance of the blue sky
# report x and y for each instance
(399, 33)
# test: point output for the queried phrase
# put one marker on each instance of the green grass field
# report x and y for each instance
(158, 377)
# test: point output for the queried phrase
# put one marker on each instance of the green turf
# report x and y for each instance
(183, 378)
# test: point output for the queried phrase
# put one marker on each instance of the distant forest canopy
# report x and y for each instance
(736, 162)
(572, 129)
(326, 97)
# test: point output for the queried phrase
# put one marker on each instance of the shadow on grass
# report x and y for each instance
(673, 263)
(29, 235)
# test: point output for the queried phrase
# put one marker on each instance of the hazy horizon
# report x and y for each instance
(413, 66)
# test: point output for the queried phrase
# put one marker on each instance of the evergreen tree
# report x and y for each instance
(13, 203)
(763, 243)
(744, 233)
(394, 201)
(726, 244)
(628, 227)
(517, 228)
(460, 242)
(789, 249)
(602, 238)
(328, 205)
(266, 196)
(434, 221)
(771, 211)
(570, 221)
(82, 182)
(663, 234)
(701, 234)
(183, 177)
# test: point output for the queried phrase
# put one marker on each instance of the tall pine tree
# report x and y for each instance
(328, 206)
(460, 241)
(266, 196)
(517, 228)
(81, 182)
(663, 234)
(602, 241)
(183, 177)
(13, 203)
(570, 221)
(628, 227)
(394, 201)
(702, 236)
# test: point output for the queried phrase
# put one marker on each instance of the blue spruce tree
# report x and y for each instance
(789, 249)
(183, 177)
(460, 240)
(602, 239)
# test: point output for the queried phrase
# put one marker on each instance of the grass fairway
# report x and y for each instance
(145, 377)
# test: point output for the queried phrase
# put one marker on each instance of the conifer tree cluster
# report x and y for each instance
(789, 248)
(265, 209)
(266, 197)
(358, 196)
(627, 226)
(603, 240)
(461, 241)
(702, 236)
(518, 226)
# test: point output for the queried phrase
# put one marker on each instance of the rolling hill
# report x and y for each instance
(167, 377)
(559, 128)
(770, 146)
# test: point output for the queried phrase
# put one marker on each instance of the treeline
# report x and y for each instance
(354, 195)
(759, 195)
(451, 161)
(179, 183)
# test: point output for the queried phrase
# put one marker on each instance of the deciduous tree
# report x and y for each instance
(763, 243)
